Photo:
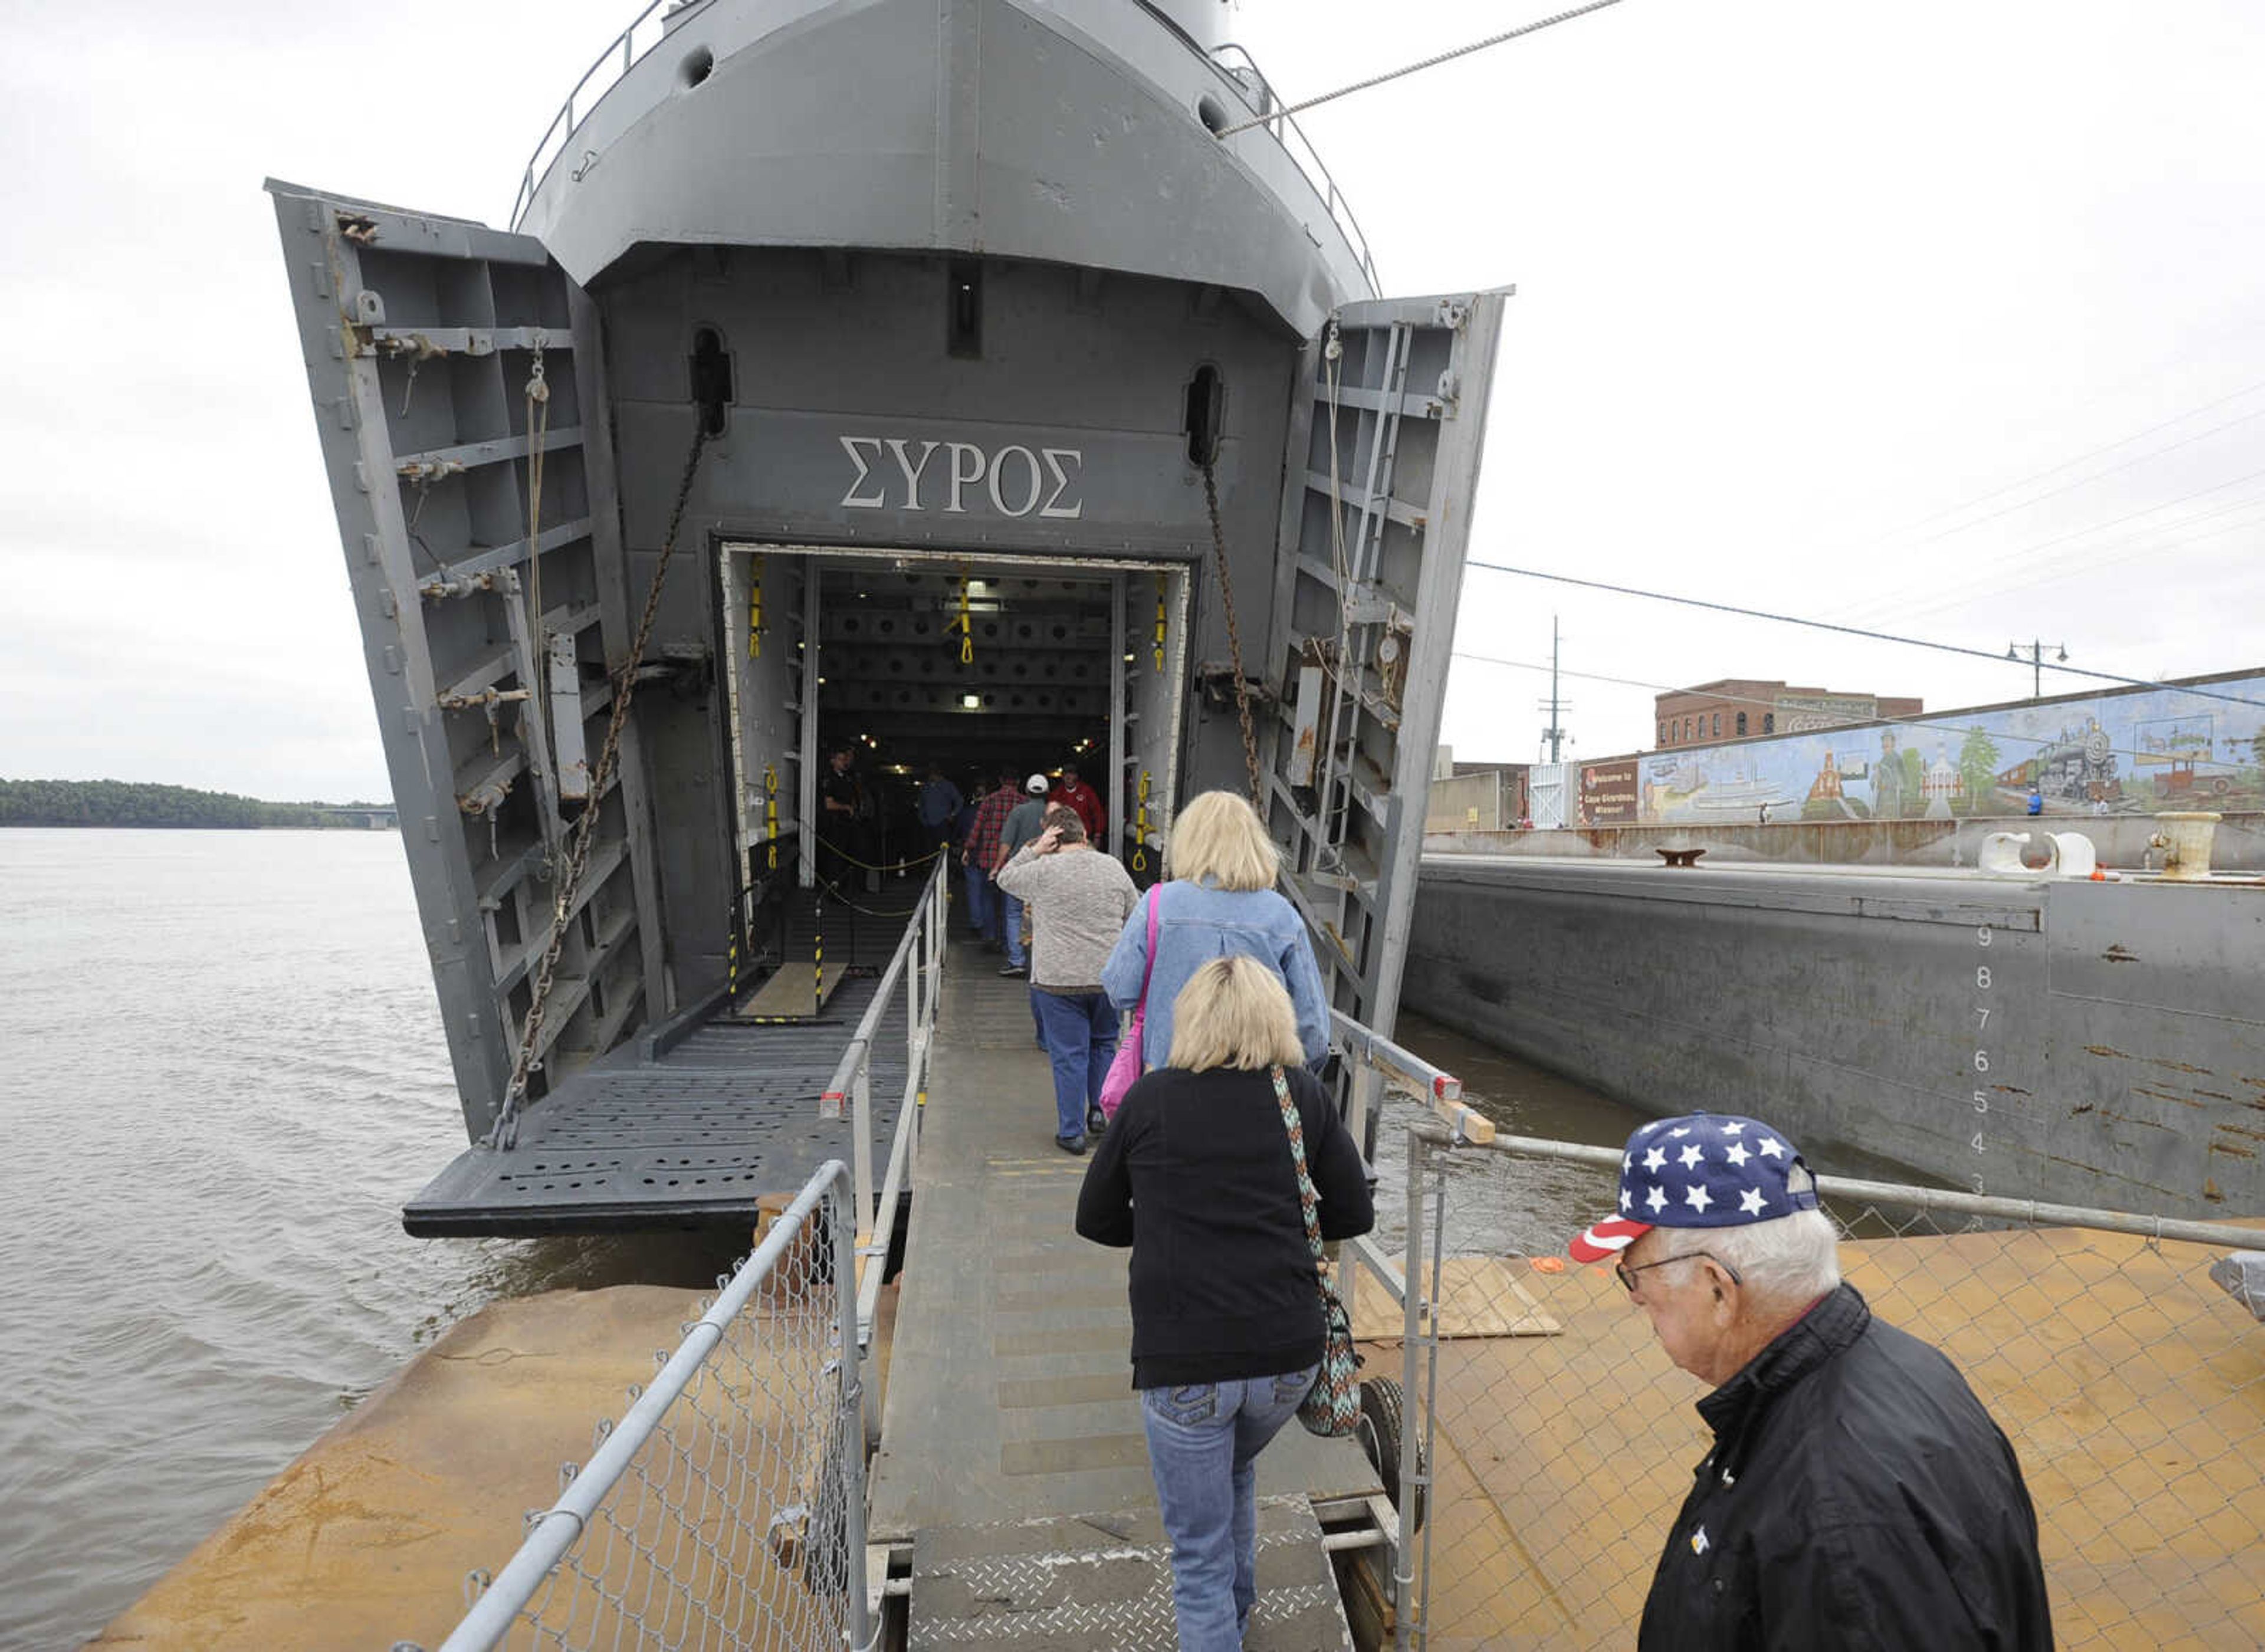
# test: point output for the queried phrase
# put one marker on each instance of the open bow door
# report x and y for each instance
(1385, 431)
(458, 394)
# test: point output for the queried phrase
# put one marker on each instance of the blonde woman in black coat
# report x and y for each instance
(1196, 1176)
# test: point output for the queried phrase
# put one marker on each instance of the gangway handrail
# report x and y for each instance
(1378, 1063)
(552, 1533)
(2034, 1213)
(851, 1088)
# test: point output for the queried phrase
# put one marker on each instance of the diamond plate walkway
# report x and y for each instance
(692, 1134)
(1011, 1459)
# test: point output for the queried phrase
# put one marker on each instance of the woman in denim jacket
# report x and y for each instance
(1220, 903)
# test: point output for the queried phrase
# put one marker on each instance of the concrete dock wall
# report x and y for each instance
(2120, 1063)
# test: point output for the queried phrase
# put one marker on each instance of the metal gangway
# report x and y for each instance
(819, 1465)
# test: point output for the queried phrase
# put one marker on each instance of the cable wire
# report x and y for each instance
(2070, 464)
(1429, 62)
(2081, 564)
(1849, 630)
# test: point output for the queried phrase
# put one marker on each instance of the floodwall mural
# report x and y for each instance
(2200, 745)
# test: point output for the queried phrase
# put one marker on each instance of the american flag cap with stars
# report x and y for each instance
(1701, 1170)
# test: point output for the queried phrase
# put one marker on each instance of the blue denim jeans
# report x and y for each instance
(1010, 913)
(982, 901)
(1204, 1442)
(1079, 1029)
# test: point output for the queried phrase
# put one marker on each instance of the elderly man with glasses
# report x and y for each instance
(1858, 1495)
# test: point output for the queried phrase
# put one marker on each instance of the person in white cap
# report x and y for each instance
(1858, 1495)
(1022, 827)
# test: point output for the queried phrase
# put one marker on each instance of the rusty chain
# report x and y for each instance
(505, 1132)
(1234, 642)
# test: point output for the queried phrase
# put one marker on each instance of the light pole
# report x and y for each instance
(2037, 662)
(1556, 708)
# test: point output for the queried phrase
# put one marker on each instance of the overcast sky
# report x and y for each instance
(1945, 316)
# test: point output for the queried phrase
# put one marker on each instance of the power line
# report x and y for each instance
(2070, 464)
(1849, 630)
(1429, 62)
(2133, 516)
(2120, 551)
(2039, 499)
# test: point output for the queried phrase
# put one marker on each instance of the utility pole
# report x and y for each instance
(2037, 662)
(1556, 709)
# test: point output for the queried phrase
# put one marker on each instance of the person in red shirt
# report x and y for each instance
(1074, 794)
(984, 906)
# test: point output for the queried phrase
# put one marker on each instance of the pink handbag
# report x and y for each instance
(1124, 1067)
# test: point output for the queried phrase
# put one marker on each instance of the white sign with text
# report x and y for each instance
(906, 474)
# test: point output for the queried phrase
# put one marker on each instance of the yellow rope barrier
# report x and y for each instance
(891, 866)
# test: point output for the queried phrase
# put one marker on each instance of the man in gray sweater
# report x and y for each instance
(1079, 902)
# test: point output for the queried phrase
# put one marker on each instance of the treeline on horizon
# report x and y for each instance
(125, 803)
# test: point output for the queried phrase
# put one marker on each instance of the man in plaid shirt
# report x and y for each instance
(981, 849)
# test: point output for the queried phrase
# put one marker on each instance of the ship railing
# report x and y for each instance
(1376, 1069)
(1241, 72)
(2120, 1352)
(918, 967)
(727, 1506)
(646, 30)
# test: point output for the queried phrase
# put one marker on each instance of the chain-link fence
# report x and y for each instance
(726, 1508)
(1560, 1440)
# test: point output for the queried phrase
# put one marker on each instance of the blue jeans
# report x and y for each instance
(981, 907)
(1081, 1033)
(1010, 912)
(1204, 1442)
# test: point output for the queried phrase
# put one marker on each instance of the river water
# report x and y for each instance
(220, 1072)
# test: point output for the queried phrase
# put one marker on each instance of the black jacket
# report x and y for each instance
(1858, 1496)
(1195, 1175)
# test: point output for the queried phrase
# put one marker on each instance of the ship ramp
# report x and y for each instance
(691, 1123)
(1011, 1486)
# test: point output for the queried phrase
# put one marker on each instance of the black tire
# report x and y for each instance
(1382, 1424)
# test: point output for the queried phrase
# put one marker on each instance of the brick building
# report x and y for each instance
(1738, 707)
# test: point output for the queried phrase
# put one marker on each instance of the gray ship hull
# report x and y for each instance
(917, 379)
(2095, 1043)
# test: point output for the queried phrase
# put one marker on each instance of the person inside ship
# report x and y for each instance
(1076, 793)
(1078, 901)
(841, 805)
(939, 810)
(1024, 823)
(1198, 1174)
(1858, 1493)
(978, 856)
(1221, 900)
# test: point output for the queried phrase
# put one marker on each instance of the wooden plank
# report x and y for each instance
(1479, 1296)
(792, 994)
